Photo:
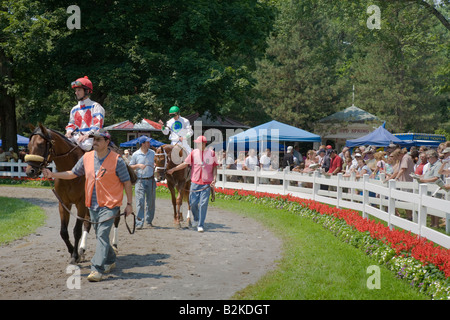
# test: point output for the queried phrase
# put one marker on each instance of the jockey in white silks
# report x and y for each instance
(86, 118)
(180, 129)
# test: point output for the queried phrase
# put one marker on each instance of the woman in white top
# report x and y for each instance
(252, 160)
(240, 161)
(264, 161)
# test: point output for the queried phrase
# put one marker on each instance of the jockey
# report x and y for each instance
(86, 118)
(179, 128)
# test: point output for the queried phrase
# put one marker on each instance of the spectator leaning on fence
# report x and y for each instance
(445, 168)
(2, 155)
(336, 163)
(418, 168)
(405, 167)
(432, 174)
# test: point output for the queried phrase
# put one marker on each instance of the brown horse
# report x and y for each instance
(45, 146)
(168, 157)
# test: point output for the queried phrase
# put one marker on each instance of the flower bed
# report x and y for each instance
(425, 265)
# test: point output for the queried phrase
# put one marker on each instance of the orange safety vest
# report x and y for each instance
(108, 187)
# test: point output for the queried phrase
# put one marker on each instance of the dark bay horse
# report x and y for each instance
(168, 157)
(48, 145)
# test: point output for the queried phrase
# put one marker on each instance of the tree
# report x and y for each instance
(296, 79)
(320, 49)
(25, 39)
(142, 56)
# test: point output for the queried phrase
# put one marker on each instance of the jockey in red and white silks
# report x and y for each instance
(86, 117)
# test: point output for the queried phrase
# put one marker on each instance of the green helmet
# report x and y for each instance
(174, 109)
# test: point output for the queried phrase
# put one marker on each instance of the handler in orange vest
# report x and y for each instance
(106, 177)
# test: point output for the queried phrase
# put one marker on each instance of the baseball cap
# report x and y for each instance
(143, 139)
(200, 139)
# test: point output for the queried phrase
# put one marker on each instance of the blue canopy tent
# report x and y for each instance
(21, 141)
(269, 135)
(132, 143)
(380, 137)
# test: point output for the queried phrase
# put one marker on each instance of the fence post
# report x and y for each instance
(447, 214)
(391, 203)
(365, 195)
(422, 210)
(315, 184)
(339, 189)
(285, 182)
(256, 171)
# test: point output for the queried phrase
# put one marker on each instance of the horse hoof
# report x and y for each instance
(81, 254)
(177, 225)
(74, 261)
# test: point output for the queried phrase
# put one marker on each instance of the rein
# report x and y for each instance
(87, 220)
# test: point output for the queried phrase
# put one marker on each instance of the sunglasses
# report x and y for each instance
(76, 84)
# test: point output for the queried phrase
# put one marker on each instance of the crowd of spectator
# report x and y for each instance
(427, 165)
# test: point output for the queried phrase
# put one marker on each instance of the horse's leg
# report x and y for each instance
(77, 236)
(174, 205)
(179, 204)
(64, 216)
(86, 229)
(115, 239)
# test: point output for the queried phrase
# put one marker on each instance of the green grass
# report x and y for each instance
(18, 218)
(315, 265)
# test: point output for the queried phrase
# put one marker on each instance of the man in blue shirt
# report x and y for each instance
(143, 161)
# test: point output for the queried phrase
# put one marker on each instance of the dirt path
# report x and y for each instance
(154, 263)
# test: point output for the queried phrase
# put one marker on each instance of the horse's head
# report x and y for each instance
(39, 151)
(161, 162)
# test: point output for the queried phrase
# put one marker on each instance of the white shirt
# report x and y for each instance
(251, 162)
(265, 162)
(178, 128)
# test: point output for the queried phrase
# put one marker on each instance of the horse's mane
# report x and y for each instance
(38, 131)
(62, 136)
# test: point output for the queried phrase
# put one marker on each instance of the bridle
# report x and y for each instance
(163, 169)
(41, 162)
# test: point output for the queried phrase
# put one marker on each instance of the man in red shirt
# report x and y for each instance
(336, 163)
(203, 178)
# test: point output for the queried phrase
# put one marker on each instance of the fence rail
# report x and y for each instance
(17, 169)
(370, 196)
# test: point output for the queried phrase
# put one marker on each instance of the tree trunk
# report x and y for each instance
(8, 123)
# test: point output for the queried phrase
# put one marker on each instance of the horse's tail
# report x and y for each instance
(133, 175)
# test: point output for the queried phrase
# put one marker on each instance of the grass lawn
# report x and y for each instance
(315, 265)
(18, 218)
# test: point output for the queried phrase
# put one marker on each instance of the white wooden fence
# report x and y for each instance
(17, 169)
(371, 197)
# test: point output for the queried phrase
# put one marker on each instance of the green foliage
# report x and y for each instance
(290, 60)
(319, 50)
